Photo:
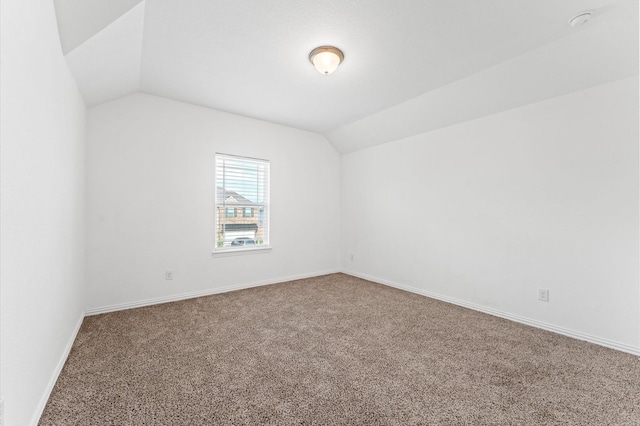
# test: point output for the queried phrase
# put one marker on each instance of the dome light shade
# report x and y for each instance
(326, 59)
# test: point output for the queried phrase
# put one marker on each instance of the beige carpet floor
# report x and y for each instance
(334, 350)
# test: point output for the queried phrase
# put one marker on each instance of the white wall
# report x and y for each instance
(42, 207)
(486, 212)
(150, 206)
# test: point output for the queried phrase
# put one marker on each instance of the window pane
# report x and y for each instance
(242, 203)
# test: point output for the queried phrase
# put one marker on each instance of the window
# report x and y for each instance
(242, 188)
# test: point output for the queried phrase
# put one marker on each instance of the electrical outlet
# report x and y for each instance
(543, 294)
(351, 257)
(168, 275)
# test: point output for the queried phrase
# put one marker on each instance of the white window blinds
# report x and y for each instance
(242, 203)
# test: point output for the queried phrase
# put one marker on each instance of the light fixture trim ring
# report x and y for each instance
(321, 49)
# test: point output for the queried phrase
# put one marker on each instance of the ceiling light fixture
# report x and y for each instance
(326, 59)
(580, 19)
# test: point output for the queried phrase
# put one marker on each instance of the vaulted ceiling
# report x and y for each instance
(410, 66)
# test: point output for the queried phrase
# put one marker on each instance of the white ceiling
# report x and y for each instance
(79, 20)
(408, 63)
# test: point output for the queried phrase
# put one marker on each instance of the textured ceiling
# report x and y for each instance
(250, 57)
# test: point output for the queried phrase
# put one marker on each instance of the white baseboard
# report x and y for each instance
(147, 302)
(54, 377)
(523, 320)
(208, 292)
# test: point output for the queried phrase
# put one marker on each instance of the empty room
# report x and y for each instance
(382, 212)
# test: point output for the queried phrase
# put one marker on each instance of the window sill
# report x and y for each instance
(240, 251)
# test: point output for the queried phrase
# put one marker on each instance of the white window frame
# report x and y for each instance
(228, 179)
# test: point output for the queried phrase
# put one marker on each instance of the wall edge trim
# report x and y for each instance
(200, 293)
(633, 350)
(56, 373)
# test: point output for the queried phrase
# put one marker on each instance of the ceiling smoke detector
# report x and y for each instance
(580, 19)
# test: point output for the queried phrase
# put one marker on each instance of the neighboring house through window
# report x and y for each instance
(242, 203)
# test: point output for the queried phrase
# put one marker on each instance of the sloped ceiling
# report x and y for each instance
(410, 66)
(79, 20)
